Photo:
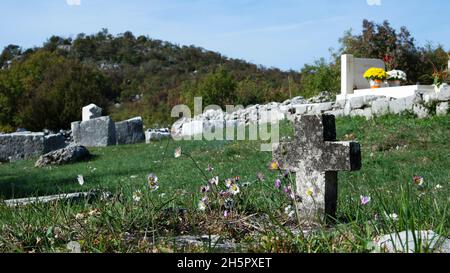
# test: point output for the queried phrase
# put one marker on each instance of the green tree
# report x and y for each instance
(321, 76)
(379, 40)
(218, 88)
(48, 91)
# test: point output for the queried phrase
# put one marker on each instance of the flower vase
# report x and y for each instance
(394, 83)
(376, 84)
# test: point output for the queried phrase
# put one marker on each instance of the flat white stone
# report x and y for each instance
(409, 242)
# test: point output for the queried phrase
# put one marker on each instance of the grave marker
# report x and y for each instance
(315, 157)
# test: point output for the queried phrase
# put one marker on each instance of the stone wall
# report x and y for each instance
(422, 104)
(26, 145)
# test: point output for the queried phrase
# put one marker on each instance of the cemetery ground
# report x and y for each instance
(137, 219)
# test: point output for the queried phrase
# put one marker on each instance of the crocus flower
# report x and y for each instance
(277, 183)
(229, 183)
(274, 166)
(152, 181)
(365, 200)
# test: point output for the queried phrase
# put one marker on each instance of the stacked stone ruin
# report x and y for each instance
(96, 130)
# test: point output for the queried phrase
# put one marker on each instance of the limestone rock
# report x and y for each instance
(130, 131)
(442, 108)
(380, 107)
(444, 94)
(323, 96)
(63, 156)
(337, 113)
(156, 135)
(420, 111)
(319, 108)
(408, 242)
(367, 113)
(398, 106)
(98, 132)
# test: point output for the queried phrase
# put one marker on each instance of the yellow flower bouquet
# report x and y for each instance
(376, 76)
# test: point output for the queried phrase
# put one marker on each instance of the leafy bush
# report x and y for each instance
(321, 76)
(48, 91)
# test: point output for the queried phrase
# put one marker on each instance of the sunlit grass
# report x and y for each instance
(394, 150)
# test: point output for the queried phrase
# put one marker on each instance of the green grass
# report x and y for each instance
(394, 149)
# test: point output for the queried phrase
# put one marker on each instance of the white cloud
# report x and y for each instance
(73, 2)
(374, 2)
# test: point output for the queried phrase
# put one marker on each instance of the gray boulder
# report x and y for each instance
(67, 155)
(98, 132)
(130, 131)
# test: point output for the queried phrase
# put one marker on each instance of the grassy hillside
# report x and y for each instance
(125, 75)
(394, 150)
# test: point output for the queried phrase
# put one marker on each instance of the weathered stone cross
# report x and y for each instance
(315, 157)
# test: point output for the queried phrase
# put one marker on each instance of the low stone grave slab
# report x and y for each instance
(98, 132)
(26, 145)
(130, 131)
(56, 198)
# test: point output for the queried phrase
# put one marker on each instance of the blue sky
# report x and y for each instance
(279, 33)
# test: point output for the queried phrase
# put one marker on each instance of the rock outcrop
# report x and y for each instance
(63, 156)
